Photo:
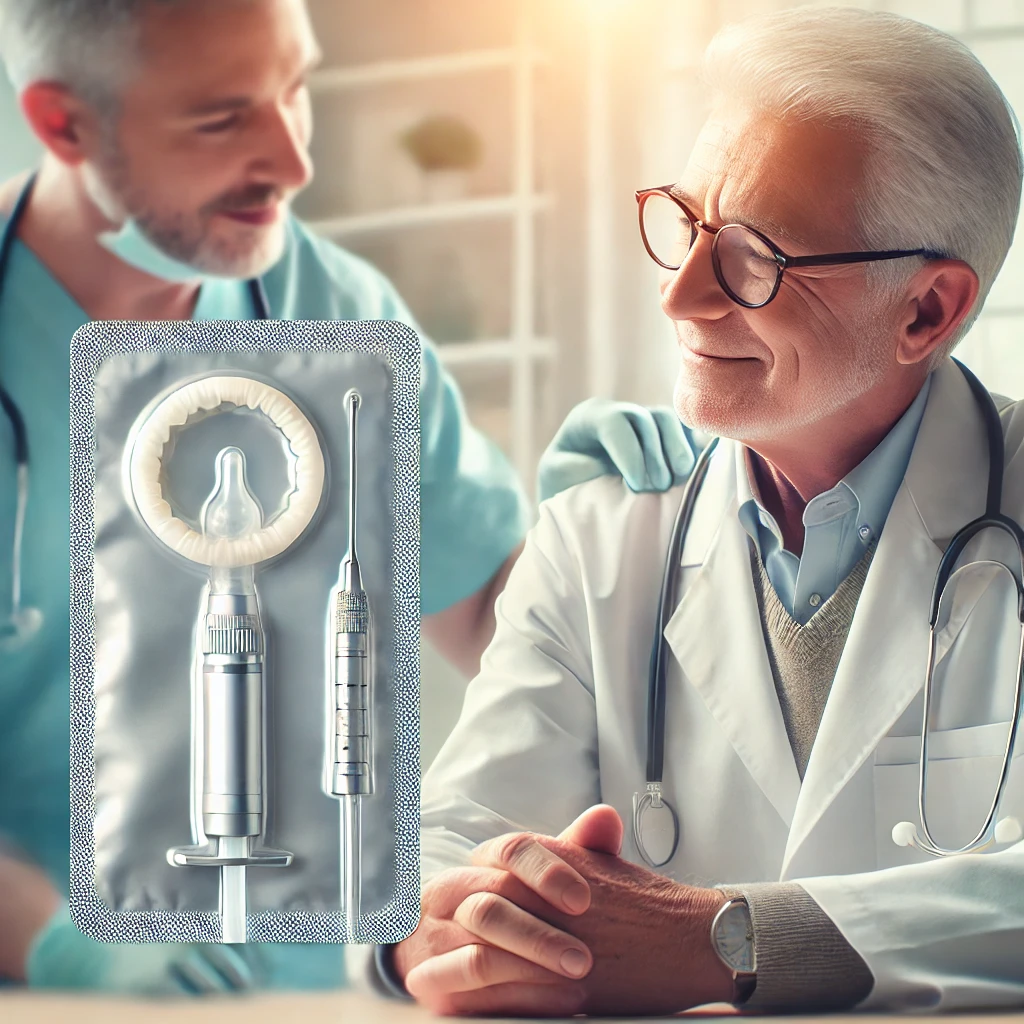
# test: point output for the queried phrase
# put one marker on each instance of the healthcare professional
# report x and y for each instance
(176, 135)
(591, 846)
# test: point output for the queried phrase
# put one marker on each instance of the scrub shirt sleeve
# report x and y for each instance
(473, 511)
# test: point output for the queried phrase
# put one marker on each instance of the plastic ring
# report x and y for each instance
(206, 395)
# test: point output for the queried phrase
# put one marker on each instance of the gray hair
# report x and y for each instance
(87, 45)
(944, 165)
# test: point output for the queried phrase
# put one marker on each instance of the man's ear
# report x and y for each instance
(61, 121)
(940, 297)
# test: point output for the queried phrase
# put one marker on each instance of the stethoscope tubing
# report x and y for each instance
(7, 236)
(656, 697)
(992, 518)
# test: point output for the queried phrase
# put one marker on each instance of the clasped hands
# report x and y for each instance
(544, 926)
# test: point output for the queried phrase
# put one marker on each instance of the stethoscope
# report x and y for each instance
(25, 621)
(655, 822)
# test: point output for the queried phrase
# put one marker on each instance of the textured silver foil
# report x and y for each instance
(134, 615)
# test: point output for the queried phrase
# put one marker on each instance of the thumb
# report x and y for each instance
(598, 828)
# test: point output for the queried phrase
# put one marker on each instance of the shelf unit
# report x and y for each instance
(392, 71)
(522, 350)
(487, 208)
(477, 353)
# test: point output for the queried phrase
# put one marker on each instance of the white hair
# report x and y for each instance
(944, 165)
(88, 45)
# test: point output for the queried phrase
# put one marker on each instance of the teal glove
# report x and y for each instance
(63, 958)
(649, 448)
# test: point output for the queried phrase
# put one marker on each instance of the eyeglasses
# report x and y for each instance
(748, 266)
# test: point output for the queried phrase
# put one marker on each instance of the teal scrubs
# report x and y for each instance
(473, 514)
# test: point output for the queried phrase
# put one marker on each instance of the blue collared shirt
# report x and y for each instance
(839, 524)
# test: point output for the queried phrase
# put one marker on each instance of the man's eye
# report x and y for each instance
(223, 124)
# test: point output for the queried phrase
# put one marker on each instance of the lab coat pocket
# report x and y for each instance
(963, 772)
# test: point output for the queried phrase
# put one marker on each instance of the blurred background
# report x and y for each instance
(484, 155)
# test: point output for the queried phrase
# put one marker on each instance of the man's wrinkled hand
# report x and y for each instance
(650, 936)
(486, 942)
(501, 936)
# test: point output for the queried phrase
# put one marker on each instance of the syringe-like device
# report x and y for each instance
(351, 776)
(232, 647)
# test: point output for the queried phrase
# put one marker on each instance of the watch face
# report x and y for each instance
(734, 937)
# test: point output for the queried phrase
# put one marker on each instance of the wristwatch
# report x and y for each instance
(732, 938)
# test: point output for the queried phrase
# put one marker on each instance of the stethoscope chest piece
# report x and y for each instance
(655, 826)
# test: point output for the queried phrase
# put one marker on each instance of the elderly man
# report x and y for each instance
(842, 217)
(175, 135)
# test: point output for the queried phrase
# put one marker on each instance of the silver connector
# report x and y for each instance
(232, 801)
(232, 641)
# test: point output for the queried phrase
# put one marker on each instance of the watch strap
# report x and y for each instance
(743, 987)
(384, 961)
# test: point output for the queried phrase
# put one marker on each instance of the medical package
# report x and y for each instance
(245, 631)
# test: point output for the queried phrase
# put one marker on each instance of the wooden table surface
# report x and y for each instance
(21, 1007)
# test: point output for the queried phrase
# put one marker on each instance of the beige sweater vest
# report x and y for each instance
(804, 658)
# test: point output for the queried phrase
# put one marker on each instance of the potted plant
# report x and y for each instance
(445, 149)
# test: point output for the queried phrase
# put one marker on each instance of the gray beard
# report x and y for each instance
(111, 192)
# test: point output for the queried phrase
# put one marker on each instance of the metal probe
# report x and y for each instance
(350, 774)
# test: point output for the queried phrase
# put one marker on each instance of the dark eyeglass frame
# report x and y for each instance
(783, 260)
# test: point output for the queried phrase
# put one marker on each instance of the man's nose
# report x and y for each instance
(284, 150)
(692, 292)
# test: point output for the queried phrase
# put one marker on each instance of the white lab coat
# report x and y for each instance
(556, 720)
